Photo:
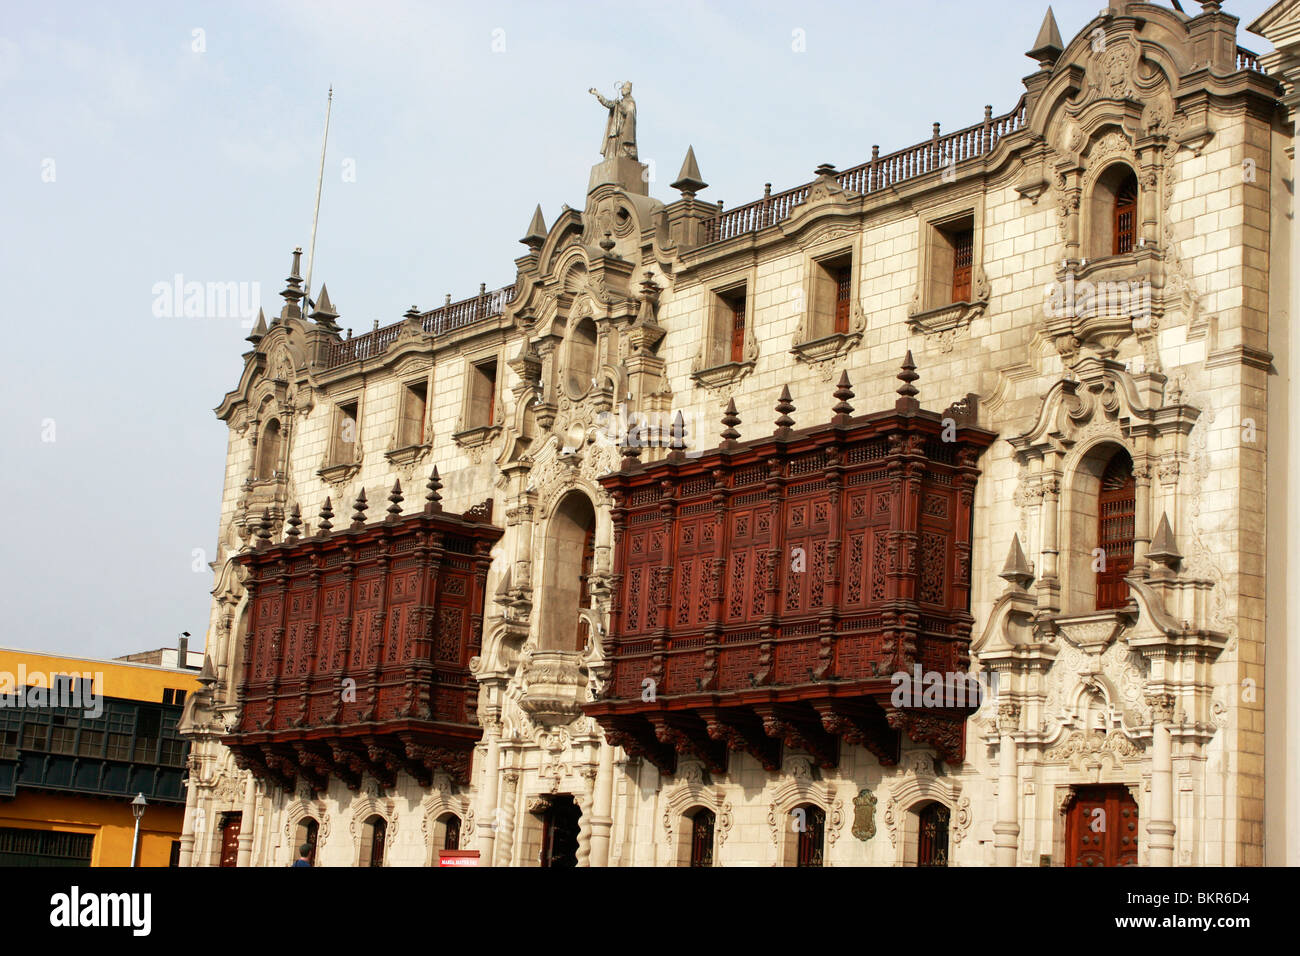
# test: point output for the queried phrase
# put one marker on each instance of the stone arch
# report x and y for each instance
(362, 810)
(581, 356)
(297, 812)
(434, 810)
(269, 449)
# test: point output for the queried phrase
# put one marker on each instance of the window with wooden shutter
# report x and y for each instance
(963, 251)
(843, 297)
(584, 586)
(1116, 510)
(1125, 213)
(736, 308)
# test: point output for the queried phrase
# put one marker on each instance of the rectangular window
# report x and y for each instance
(63, 736)
(832, 295)
(729, 319)
(415, 403)
(146, 736)
(343, 444)
(36, 736)
(482, 394)
(952, 258)
(91, 743)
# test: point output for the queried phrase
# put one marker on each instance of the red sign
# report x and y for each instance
(458, 857)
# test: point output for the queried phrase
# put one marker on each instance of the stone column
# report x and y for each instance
(1049, 590)
(246, 820)
(1141, 512)
(1007, 827)
(588, 811)
(1160, 825)
(487, 814)
(506, 820)
(602, 819)
(187, 827)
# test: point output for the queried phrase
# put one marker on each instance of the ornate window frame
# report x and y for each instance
(798, 789)
(812, 344)
(925, 314)
(917, 786)
(404, 455)
(470, 436)
(687, 794)
(362, 810)
(335, 468)
(435, 806)
(706, 370)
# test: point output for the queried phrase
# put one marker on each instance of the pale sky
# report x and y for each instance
(142, 141)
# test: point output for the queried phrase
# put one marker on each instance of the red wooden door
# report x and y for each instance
(932, 837)
(738, 331)
(1125, 217)
(702, 838)
(843, 298)
(812, 838)
(230, 840)
(963, 257)
(1116, 507)
(1101, 828)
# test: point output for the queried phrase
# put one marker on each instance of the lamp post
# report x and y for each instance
(137, 809)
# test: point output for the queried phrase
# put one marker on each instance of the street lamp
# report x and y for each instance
(137, 809)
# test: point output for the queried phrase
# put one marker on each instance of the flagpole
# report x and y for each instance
(315, 218)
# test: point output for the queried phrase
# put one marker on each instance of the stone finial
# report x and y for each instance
(359, 510)
(433, 496)
(503, 589)
(632, 442)
(730, 419)
(1016, 571)
(295, 523)
(907, 392)
(1047, 47)
(688, 180)
(324, 314)
(264, 529)
(1164, 549)
(395, 501)
(677, 438)
(208, 675)
(293, 293)
(784, 406)
(842, 410)
(326, 521)
(536, 234)
(412, 314)
(259, 328)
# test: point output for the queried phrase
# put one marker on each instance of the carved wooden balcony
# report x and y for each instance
(766, 592)
(357, 650)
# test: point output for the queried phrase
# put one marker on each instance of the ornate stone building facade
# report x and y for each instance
(669, 518)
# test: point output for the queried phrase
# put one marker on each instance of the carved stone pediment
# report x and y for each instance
(1093, 633)
(554, 687)
(720, 376)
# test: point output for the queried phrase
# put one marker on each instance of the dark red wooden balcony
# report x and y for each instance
(356, 656)
(766, 592)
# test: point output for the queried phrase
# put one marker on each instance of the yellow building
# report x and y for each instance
(79, 739)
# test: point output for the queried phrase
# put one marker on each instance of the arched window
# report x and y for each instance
(570, 539)
(702, 822)
(373, 834)
(1125, 215)
(307, 833)
(932, 836)
(1116, 508)
(810, 824)
(268, 450)
(581, 359)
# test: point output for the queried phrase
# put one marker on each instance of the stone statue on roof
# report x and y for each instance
(620, 128)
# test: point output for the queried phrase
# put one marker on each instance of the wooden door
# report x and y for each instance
(702, 838)
(560, 833)
(812, 838)
(738, 330)
(932, 836)
(1116, 521)
(963, 252)
(584, 587)
(1101, 827)
(1125, 217)
(230, 840)
(843, 298)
